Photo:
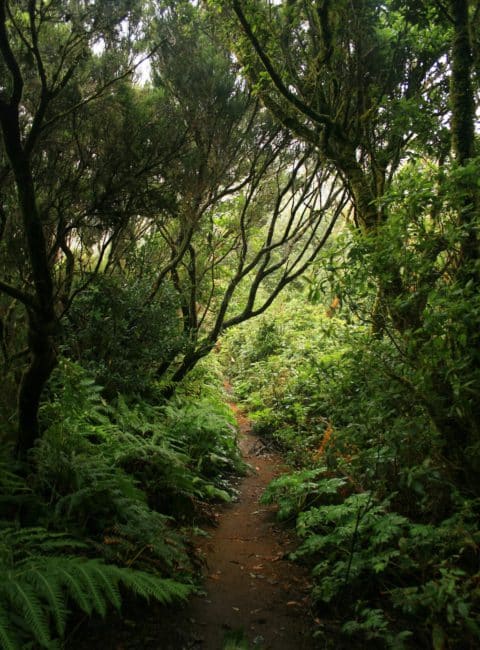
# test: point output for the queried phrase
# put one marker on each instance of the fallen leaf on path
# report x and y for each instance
(293, 603)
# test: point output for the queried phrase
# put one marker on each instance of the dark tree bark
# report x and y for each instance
(461, 90)
(42, 361)
(462, 102)
(460, 435)
(40, 304)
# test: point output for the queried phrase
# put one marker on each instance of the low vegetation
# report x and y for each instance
(388, 529)
(285, 189)
(109, 502)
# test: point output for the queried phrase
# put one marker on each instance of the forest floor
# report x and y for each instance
(252, 591)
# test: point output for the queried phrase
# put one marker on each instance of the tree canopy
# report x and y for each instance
(171, 170)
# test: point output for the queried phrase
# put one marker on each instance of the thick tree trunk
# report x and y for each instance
(42, 362)
(41, 313)
(462, 102)
(42, 322)
(461, 91)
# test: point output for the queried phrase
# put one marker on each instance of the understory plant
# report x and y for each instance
(43, 576)
(112, 492)
(388, 531)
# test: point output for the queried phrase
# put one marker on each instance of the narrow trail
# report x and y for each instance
(251, 589)
(250, 585)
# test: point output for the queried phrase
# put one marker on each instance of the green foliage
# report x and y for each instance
(119, 336)
(111, 490)
(140, 221)
(294, 491)
(389, 532)
(39, 582)
(102, 465)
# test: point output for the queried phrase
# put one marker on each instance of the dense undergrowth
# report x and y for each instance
(273, 146)
(109, 500)
(390, 534)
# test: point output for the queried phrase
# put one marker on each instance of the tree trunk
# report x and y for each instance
(42, 320)
(42, 361)
(462, 102)
(188, 363)
(461, 91)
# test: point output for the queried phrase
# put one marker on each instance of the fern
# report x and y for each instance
(53, 594)
(144, 584)
(28, 604)
(295, 491)
(8, 638)
(34, 539)
(35, 591)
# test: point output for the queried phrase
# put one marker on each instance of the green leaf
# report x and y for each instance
(438, 637)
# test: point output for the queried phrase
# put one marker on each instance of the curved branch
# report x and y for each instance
(18, 294)
(320, 118)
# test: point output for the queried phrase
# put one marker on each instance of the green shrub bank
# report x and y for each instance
(111, 495)
(389, 532)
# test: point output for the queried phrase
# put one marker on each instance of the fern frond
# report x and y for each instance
(86, 572)
(74, 588)
(24, 597)
(96, 584)
(52, 592)
(109, 586)
(38, 540)
(8, 639)
(35, 593)
(144, 584)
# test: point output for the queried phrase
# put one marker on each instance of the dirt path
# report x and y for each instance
(251, 590)
(250, 587)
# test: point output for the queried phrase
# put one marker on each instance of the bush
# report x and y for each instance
(389, 533)
(122, 338)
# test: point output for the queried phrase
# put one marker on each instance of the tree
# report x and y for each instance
(368, 88)
(355, 84)
(462, 101)
(165, 186)
(253, 207)
(49, 71)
